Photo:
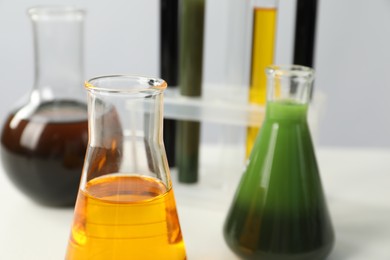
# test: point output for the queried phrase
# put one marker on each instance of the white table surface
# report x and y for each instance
(356, 181)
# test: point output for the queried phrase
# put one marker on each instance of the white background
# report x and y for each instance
(121, 36)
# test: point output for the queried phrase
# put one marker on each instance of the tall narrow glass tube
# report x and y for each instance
(263, 45)
(125, 207)
(169, 59)
(305, 30)
(238, 50)
(190, 82)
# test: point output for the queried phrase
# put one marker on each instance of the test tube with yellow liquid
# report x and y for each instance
(125, 207)
(263, 46)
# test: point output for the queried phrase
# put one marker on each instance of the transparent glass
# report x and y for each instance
(279, 211)
(45, 137)
(169, 61)
(265, 3)
(305, 32)
(263, 51)
(238, 50)
(125, 207)
(191, 37)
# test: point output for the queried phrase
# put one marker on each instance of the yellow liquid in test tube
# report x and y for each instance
(263, 43)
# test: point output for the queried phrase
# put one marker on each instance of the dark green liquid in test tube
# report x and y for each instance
(279, 211)
(190, 82)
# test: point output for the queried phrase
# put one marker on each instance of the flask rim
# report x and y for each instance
(129, 84)
(290, 71)
(41, 12)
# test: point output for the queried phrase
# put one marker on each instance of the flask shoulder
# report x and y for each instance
(283, 148)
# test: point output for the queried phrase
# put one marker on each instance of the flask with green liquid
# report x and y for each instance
(279, 211)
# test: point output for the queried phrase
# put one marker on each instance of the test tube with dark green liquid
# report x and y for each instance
(190, 82)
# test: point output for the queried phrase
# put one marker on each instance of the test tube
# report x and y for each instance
(169, 65)
(305, 28)
(190, 83)
(263, 49)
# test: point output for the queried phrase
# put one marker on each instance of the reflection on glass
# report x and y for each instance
(43, 142)
(279, 210)
(125, 207)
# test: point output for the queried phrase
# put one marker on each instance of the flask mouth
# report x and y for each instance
(290, 71)
(126, 84)
(46, 12)
(291, 83)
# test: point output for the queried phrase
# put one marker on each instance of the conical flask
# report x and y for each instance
(279, 211)
(44, 138)
(125, 207)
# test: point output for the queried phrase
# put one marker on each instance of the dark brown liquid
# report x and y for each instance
(43, 154)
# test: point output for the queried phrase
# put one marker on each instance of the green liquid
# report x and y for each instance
(279, 210)
(191, 47)
(190, 83)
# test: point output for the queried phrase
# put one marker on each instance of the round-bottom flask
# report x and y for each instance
(43, 141)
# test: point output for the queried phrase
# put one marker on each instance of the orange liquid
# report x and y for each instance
(126, 217)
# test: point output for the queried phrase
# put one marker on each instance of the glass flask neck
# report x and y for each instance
(144, 118)
(289, 84)
(288, 92)
(58, 48)
(125, 116)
